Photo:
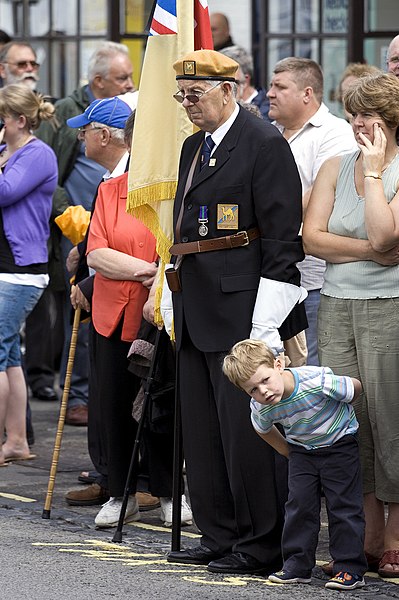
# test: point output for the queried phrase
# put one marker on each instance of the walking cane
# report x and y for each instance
(147, 389)
(177, 468)
(61, 418)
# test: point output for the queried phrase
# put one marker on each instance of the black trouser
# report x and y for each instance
(335, 469)
(43, 341)
(232, 474)
(112, 429)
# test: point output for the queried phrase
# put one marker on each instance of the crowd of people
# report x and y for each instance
(312, 340)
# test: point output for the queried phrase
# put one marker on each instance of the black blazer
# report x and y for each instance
(254, 169)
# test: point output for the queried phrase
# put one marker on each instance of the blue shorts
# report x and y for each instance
(16, 302)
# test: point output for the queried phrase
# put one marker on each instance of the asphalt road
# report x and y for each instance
(67, 558)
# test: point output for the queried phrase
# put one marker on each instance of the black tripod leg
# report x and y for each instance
(147, 389)
(177, 467)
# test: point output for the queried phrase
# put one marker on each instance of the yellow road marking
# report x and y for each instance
(187, 534)
(106, 551)
(106, 554)
(177, 571)
(15, 497)
(58, 543)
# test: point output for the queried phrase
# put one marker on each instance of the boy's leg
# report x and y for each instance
(302, 513)
(341, 481)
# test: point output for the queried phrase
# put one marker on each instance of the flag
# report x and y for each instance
(202, 27)
(161, 125)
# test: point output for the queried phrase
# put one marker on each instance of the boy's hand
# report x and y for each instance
(276, 441)
(357, 388)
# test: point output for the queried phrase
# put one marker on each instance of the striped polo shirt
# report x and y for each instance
(316, 414)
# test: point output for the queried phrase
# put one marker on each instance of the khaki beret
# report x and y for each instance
(206, 64)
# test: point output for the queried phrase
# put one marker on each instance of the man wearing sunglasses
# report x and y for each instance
(18, 64)
(236, 218)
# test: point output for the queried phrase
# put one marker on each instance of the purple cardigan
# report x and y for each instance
(27, 185)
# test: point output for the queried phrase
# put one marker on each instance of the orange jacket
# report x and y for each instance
(112, 227)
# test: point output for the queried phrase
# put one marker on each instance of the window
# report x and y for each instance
(331, 32)
(65, 33)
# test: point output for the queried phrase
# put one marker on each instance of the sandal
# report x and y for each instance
(372, 561)
(390, 557)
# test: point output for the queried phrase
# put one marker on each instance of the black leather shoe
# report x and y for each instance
(200, 555)
(239, 563)
(45, 393)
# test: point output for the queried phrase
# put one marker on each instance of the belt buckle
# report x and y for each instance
(246, 238)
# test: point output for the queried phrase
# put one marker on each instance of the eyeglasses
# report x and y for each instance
(23, 64)
(194, 98)
(82, 130)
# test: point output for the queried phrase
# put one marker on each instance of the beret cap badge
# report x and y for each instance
(189, 67)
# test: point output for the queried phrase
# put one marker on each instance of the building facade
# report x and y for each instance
(332, 32)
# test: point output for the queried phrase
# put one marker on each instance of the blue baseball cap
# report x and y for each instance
(109, 111)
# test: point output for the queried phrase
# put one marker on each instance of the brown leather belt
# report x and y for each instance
(237, 240)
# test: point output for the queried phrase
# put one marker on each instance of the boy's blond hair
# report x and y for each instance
(244, 360)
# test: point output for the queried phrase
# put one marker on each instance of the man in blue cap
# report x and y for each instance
(109, 73)
(101, 128)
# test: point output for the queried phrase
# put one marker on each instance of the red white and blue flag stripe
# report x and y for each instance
(164, 21)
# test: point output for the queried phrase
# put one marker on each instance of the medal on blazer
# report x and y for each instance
(202, 220)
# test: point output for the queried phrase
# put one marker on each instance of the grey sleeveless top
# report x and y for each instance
(360, 279)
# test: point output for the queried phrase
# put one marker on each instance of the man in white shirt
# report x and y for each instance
(314, 134)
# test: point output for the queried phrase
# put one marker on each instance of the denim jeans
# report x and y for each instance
(16, 302)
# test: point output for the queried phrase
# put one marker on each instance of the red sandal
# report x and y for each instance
(390, 557)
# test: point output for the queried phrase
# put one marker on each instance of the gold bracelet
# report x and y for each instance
(373, 175)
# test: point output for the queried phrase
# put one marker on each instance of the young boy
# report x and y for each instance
(313, 406)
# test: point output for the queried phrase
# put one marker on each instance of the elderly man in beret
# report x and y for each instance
(237, 216)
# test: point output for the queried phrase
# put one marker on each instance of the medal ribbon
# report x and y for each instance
(203, 214)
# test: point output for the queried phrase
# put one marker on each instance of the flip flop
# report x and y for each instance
(18, 458)
(4, 464)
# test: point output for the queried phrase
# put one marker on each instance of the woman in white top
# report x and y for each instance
(353, 223)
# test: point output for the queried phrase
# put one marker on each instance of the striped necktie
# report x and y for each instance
(207, 148)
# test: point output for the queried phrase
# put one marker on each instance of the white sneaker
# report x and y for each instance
(110, 511)
(166, 512)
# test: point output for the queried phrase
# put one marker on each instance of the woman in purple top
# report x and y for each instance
(28, 178)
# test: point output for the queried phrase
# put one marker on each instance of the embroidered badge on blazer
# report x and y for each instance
(227, 216)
